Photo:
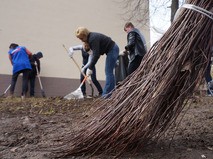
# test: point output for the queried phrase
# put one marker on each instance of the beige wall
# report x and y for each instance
(44, 25)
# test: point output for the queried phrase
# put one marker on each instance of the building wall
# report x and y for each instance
(45, 25)
(52, 86)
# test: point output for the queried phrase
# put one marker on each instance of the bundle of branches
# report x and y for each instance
(142, 108)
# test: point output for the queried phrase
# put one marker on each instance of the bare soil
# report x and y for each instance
(28, 127)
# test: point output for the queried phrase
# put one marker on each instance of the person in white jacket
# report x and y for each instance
(87, 55)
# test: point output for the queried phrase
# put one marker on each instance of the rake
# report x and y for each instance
(88, 80)
(77, 94)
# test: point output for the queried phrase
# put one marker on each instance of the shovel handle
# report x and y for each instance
(6, 90)
(39, 80)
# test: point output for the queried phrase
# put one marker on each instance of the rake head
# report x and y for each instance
(77, 94)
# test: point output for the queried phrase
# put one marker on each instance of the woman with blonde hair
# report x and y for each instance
(101, 44)
(87, 54)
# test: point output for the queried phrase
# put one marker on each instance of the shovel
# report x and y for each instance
(77, 94)
(88, 80)
(39, 79)
(6, 90)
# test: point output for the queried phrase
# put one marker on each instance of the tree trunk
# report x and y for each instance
(174, 8)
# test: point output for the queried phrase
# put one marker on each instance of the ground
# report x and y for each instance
(28, 127)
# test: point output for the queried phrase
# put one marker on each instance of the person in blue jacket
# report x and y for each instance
(101, 44)
(19, 57)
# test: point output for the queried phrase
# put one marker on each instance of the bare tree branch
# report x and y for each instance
(136, 11)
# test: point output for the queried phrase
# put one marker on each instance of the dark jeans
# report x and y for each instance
(94, 80)
(32, 78)
(208, 76)
(24, 81)
(134, 64)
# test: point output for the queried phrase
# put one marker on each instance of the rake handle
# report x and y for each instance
(85, 76)
(75, 62)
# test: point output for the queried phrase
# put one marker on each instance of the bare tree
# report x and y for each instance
(138, 10)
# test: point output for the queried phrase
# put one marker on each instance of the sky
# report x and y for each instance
(159, 19)
(160, 13)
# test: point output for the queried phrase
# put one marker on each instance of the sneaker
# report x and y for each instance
(89, 96)
(210, 85)
(209, 95)
(22, 97)
(98, 95)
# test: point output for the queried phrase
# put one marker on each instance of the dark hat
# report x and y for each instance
(13, 46)
(39, 55)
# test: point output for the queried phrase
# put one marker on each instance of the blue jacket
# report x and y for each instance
(20, 59)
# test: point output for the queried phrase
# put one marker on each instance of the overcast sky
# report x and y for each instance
(159, 19)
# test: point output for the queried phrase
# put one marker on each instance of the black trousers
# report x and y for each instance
(94, 81)
(134, 64)
(208, 76)
(32, 77)
(25, 73)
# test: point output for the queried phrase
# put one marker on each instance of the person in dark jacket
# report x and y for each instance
(208, 76)
(87, 57)
(19, 57)
(101, 44)
(136, 47)
(35, 62)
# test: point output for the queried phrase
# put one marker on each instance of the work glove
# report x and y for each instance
(117, 63)
(89, 72)
(90, 52)
(123, 53)
(82, 70)
(210, 85)
(71, 52)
